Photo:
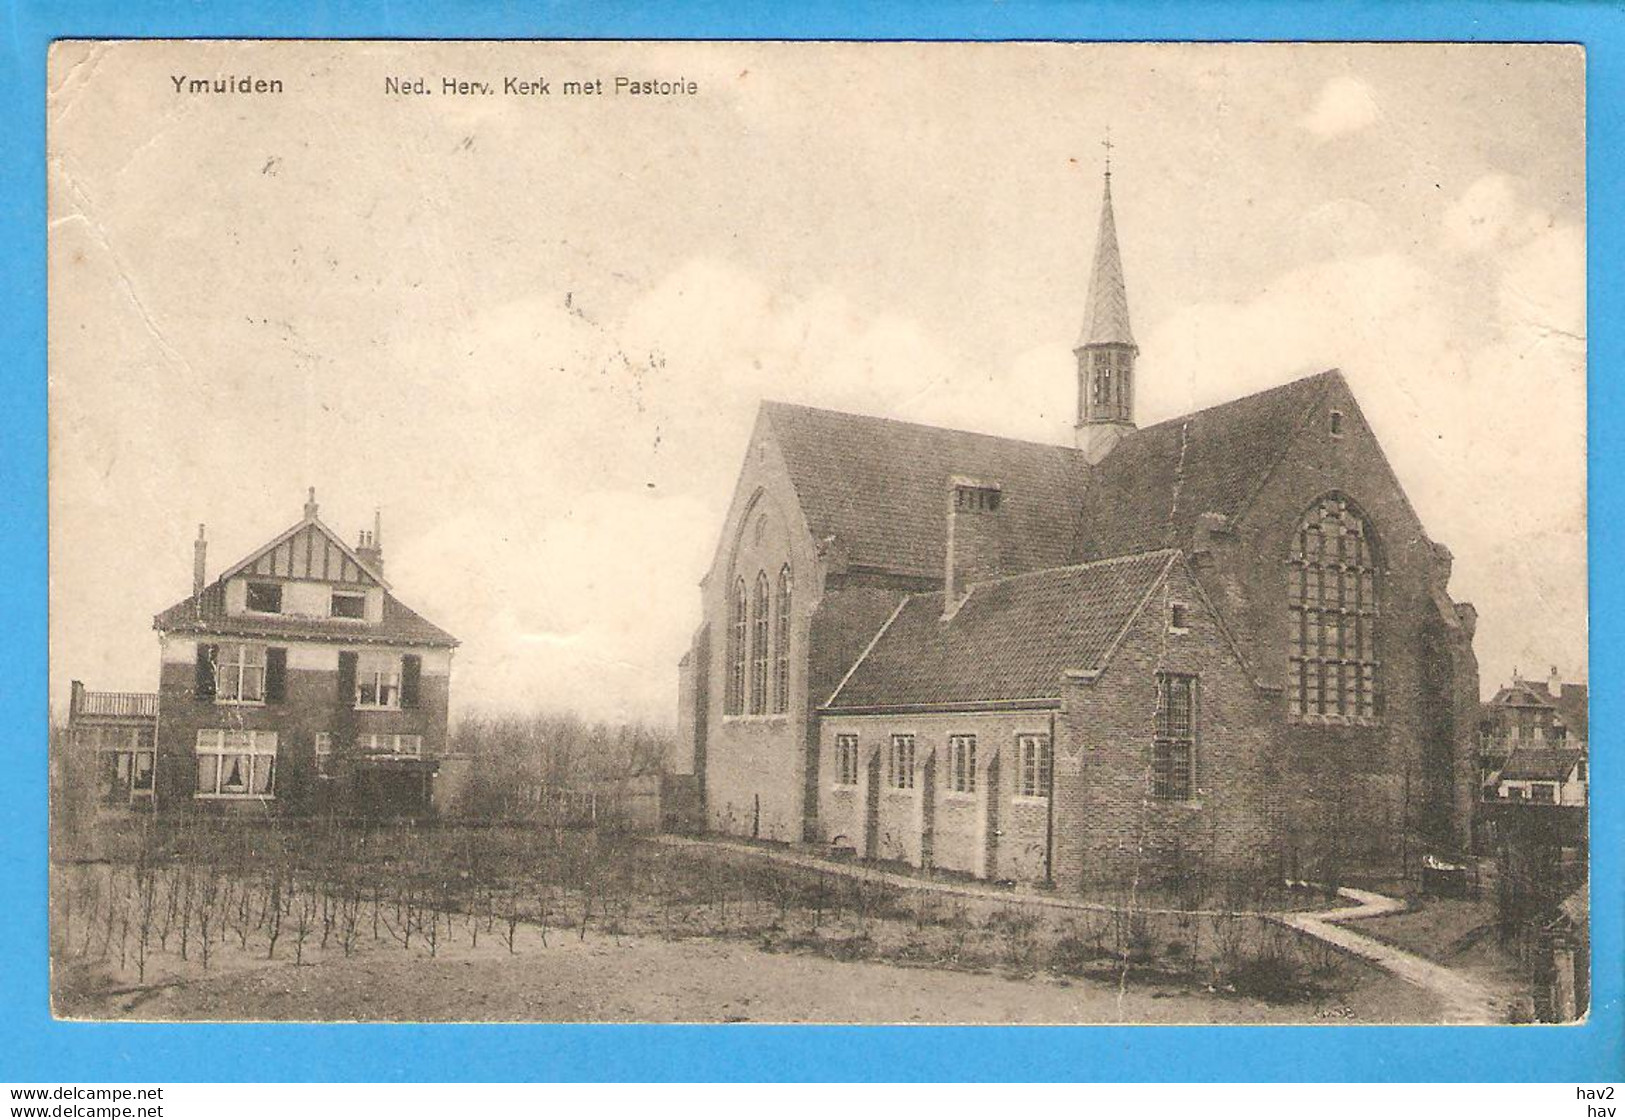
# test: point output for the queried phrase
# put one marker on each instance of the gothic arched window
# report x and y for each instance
(735, 701)
(1332, 667)
(781, 645)
(759, 626)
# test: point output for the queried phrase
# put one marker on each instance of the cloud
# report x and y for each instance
(1345, 105)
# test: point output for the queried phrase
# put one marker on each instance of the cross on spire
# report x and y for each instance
(1108, 145)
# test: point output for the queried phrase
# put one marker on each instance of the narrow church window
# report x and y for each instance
(900, 762)
(735, 700)
(1332, 588)
(1337, 423)
(962, 763)
(846, 760)
(1173, 748)
(781, 645)
(758, 647)
(1178, 618)
(1033, 765)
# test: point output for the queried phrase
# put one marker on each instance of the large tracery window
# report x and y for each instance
(1332, 672)
(759, 653)
(735, 701)
(781, 645)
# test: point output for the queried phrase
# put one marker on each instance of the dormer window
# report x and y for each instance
(976, 498)
(349, 604)
(265, 598)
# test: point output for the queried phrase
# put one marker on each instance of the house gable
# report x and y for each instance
(310, 551)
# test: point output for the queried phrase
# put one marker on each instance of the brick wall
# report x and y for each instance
(311, 705)
(1004, 840)
(1108, 825)
(1354, 786)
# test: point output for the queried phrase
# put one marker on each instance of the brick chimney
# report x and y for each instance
(371, 546)
(200, 550)
(1554, 684)
(975, 542)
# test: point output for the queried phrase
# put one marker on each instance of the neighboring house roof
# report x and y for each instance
(1570, 704)
(879, 487)
(206, 614)
(1522, 694)
(1105, 314)
(1525, 765)
(1011, 639)
(1158, 482)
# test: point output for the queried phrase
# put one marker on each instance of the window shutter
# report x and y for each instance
(411, 674)
(276, 675)
(347, 669)
(207, 658)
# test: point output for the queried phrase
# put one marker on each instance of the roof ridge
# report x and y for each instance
(1233, 401)
(766, 403)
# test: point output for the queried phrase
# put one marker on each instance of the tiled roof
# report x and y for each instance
(1105, 314)
(1158, 481)
(1539, 765)
(1011, 639)
(206, 614)
(879, 487)
(1570, 704)
(1522, 694)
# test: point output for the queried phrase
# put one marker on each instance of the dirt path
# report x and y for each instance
(1465, 1001)
(914, 883)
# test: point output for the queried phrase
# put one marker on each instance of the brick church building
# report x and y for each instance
(1226, 633)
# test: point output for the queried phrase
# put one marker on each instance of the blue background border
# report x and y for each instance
(34, 1047)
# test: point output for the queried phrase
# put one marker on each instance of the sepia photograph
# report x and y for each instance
(818, 532)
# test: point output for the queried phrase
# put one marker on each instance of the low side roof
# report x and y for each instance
(879, 487)
(1011, 639)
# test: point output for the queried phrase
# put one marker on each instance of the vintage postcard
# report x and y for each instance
(818, 532)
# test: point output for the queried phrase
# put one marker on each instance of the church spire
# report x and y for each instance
(1106, 349)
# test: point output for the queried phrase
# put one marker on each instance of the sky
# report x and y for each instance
(534, 331)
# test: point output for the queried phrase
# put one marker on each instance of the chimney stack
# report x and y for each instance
(975, 546)
(200, 548)
(1554, 684)
(310, 505)
(371, 548)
